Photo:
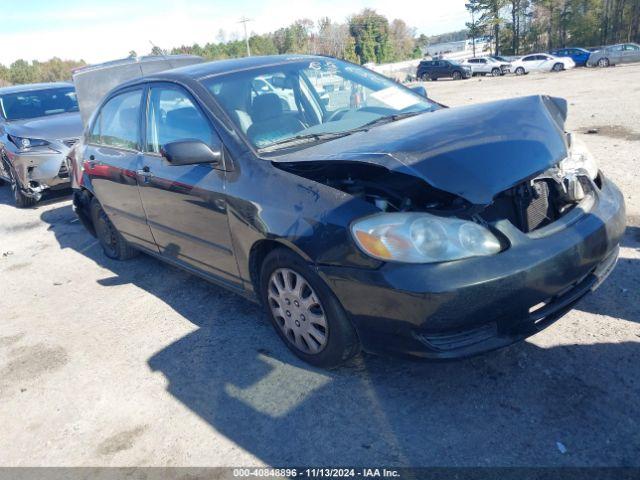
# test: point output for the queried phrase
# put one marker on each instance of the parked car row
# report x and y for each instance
(556, 61)
(376, 220)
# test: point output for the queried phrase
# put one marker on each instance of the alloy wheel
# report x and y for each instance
(457, 75)
(603, 62)
(298, 311)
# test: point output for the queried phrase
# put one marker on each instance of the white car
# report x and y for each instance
(541, 62)
(484, 66)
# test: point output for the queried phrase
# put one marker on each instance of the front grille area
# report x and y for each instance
(532, 205)
(536, 207)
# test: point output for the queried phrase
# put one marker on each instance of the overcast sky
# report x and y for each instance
(102, 30)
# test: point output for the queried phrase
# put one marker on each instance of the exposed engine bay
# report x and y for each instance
(530, 205)
(389, 191)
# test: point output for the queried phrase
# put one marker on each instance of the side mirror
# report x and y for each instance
(420, 90)
(191, 152)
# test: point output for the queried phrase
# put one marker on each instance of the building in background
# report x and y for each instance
(458, 50)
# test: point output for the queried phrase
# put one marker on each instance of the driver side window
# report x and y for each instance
(172, 116)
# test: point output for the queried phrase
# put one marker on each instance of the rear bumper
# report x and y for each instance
(471, 306)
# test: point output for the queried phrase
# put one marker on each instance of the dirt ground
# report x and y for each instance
(136, 363)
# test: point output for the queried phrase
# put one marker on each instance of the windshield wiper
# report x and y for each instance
(388, 119)
(319, 137)
(302, 139)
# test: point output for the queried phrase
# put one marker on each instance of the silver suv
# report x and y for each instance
(39, 123)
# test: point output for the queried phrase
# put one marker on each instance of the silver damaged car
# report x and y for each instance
(39, 123)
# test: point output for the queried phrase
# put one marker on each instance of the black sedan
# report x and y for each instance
(359, 213)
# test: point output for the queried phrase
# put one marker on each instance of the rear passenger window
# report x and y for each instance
(173, 116)
(118, 123)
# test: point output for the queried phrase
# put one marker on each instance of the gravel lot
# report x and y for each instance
(136, 363)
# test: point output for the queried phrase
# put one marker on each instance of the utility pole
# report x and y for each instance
(244, 21)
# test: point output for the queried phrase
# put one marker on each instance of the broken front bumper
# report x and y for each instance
(40, 169)
(470, 306)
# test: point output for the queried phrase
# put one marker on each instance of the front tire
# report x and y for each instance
(604, 63)
(558, 67)
(112, 242)
(496, 72)
(20, 199)
(457, 75)
(305, 312)
(520, 71)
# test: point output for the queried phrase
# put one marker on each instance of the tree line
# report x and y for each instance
(365, 37)
(523, 26)
(517, 27)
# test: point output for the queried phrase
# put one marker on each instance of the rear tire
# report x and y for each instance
(112, 242)
(520, 71)
(304, 311)
(604, 63)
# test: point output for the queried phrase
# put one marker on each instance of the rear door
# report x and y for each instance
(545, 62)
(631, 53)
(111, 159)
(185, 204)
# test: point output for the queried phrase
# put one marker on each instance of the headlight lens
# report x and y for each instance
(24, 143)
(580, 159)
(422, 238)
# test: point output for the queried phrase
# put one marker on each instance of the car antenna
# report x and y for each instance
(162, 54)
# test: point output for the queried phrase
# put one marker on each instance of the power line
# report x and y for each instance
(244, 21)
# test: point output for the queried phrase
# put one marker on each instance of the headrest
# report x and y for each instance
(265, 107)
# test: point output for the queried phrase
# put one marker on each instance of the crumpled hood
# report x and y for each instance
(55, 127)
(474, 151)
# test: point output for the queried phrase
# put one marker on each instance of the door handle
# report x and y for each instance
(145, 173)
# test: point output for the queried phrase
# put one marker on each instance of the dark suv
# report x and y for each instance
(435, 69)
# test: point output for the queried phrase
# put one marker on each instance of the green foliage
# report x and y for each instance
(53, 70)
(532, 25)
(370, 32)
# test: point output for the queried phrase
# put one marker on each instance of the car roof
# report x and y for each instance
(209, 69)
(30, 87)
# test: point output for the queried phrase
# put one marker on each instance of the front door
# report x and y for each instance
(185, 204)
(111, 158)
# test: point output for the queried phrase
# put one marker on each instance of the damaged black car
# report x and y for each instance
(361, 214)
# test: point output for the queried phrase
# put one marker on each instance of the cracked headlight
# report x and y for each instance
(580, 158)
(422, 238)
(24, 143)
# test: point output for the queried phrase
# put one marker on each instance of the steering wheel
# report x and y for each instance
(337, 115)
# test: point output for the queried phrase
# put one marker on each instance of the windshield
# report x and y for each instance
(38, 103)
(312, 100)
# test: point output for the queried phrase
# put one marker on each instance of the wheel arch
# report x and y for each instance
(260, 250)
(82, 206)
